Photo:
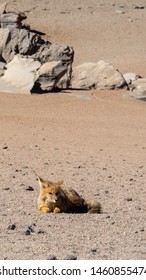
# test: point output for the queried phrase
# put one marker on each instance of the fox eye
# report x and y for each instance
(49, 193)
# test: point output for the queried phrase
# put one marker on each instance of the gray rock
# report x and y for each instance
(97, 75)
(138, 89)
(19, 41)
(62, 54)
(51, 257)
(12, 226)
(28, 230)
(70, 257)
(2, 68)
(11, 20)
(49, 74)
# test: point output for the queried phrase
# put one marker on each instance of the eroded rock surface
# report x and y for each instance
(97, 75)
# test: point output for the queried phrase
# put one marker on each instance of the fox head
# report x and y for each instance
(50, 191)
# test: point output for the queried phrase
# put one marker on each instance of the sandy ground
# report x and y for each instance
(95, 141)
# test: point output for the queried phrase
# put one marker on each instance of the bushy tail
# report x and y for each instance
(93, 206)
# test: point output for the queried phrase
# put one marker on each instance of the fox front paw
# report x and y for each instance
(45, 209)
(56, 210)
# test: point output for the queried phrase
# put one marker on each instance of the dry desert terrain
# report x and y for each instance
(94, 140)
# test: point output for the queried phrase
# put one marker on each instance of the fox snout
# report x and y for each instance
(53, 198)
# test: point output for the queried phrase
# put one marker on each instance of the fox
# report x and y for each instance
(53, 197)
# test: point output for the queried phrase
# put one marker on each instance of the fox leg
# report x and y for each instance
(45, 209)
(56, 210)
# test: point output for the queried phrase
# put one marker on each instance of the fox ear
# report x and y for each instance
(42, 183)
(59, 183)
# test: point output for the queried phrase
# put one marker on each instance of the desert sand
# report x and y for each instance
(94, 140)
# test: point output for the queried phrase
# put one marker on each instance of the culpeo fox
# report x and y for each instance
(55, 198)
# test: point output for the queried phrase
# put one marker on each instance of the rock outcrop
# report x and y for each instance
(31, 64)
(18, 42)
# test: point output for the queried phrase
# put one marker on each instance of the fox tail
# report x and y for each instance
(93, 206)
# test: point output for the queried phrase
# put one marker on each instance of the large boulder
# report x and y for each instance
(49, 74)
(97, 75)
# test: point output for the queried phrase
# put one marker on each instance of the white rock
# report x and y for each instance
(20, 75)
(97, 75)
(138, 89)
(129, 77)
(120, 12)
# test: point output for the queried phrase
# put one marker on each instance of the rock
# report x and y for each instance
(120, 12)
(29, 188)
(11, 20)
(12, 227)
(62, 54)
(97, 75)
(93, 252)
(20, 75)
(70, 257)
(7, 189)
(142, 229)
(107, 217)
(64, 82)
(5, 147)
(137, 207)
(3, 8)
(130, 77)
(28, 230)
(138, 89)
(18, 41)
(51, 257)
(49, 74)
(128, 199)
(40, 231)
(139, 7)
(2, 68)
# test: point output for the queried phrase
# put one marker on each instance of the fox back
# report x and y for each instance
(55, 198)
